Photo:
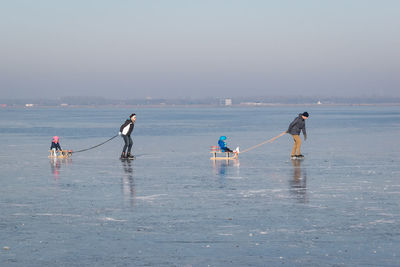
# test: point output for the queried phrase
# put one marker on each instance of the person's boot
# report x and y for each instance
(123, 155)
(129, 156)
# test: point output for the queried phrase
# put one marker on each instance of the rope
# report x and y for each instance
(96, 145)
(263, 143)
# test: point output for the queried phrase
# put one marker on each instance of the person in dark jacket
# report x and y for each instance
(125, 131)
(55, 145)
(298, 125)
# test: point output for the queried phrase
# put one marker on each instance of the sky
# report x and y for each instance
(220, 48)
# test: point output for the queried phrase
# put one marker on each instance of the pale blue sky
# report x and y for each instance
(134, 49)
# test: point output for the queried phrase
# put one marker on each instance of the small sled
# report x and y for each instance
(61, 154)
(220, 155)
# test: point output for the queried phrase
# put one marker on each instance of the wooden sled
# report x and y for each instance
(219, 155)
(61, 154)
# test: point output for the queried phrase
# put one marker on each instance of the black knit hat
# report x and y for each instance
(133, 114)
(305, 114)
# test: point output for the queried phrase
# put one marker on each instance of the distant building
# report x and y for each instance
(3, 105)
(29, 105)
(228, 102)
(64, 105)
(319, 103)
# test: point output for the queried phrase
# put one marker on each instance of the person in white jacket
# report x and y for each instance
(125, 131)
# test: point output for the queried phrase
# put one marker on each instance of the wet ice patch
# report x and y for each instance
(18, 205)
(109, 219)
(235, 178)
(382, 221)
(47, 214)
(262, 192)
(150, 197)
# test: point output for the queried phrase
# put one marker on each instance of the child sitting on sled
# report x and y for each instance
(223, 146)
(55, 145)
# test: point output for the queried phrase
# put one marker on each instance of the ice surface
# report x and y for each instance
(172, 206)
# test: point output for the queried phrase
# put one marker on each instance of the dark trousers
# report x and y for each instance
(128, 143)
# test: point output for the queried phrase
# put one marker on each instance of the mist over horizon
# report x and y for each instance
(298, 95)
(180, 49)
(256, 97)
(189, 101)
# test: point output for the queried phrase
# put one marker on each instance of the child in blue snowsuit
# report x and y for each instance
(222, 144)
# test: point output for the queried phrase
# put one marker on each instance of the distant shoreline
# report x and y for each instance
(32, 106)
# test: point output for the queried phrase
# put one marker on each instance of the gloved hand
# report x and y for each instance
(119, 133)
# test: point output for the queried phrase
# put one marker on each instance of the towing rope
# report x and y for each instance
(263, 143)
(246, 150)
(96, 145)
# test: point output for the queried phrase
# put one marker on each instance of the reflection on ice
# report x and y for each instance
(225, 168)
(55, 166)
(298, 185)
(221, 166)
(127, 183)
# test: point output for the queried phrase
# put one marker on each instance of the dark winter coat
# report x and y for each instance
(127, 127)
(297, 125)
(55, 145)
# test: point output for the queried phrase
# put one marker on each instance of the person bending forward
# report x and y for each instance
(125, 131)
(298, 125)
